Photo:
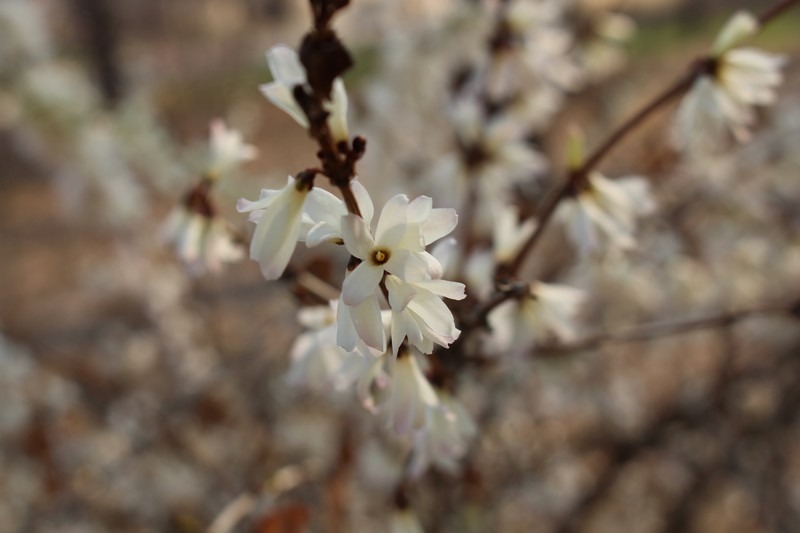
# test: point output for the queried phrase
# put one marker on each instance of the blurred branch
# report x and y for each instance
(101, 35)
(337, 488)
(315, 286)
(668, 328)
(776, 11)
(561, 191)
(710, 414)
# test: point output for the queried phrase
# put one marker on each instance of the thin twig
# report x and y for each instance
(551, 202)
(316, 286)
(561, 191)
(775, 11)
(667, 328)
(325, 59)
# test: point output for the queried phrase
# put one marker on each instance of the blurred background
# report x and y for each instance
(135, 397)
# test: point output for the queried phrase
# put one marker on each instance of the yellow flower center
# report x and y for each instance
(380, 257)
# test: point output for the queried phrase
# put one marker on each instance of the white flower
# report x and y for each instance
(323, 213)
(508, 234)
(742, 25)
(546, 310)
(606, 207)
(278, 216)
(722, 100)
(315, 358)
(402, 232)
(401, 235)
(539, 51)
(445, 439)
(604, 55)
(228, 150)
(202, 243)
(319, 364)
(288, 72)
(23, 33)
(365, 371)
(494, 155)
(419, 314)
(411, 395)
(360, 322)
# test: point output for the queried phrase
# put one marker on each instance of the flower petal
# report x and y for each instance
(346, 335)
(446, 289)
(277, 231)
(368, 323)
(400, 293)
(282, 96)
(285, 66)
(392, 222)
(364, 201)
(357, 238)
(337, 107)
(739, 27)
(440, 223)
(361, 283)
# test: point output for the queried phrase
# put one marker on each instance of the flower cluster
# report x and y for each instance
(203, 240)
(600, 208)
(736, 79)
(391, 386)
(392, 309)
(543, 311)
(389, 263)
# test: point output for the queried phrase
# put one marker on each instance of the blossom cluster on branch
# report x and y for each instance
(412, 300)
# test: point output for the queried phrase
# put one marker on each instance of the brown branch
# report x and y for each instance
(561, 191)
(102, 35)
(710, 415)
(668, 328)
(325, 59)
(775, 11)
(551, 202)
(337, 487)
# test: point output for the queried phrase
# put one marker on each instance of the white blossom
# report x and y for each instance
(445, 438)
(604, 55)
(608, 208)
(494, 155)
(361, 322)
(23, 35)
(544, 311)
(411, 395)
(540, 50)
(278, 216)
(420, 315)
(323, 214)
(315, 358)
(398, 246)
(721, 101)
(319, 364)
(287, 73)
(201, 242)
(508, 234)
(397, 253)
(228, 149)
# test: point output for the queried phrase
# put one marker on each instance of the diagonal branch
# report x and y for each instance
(560, 192)
(775, 11)
(668, 328)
